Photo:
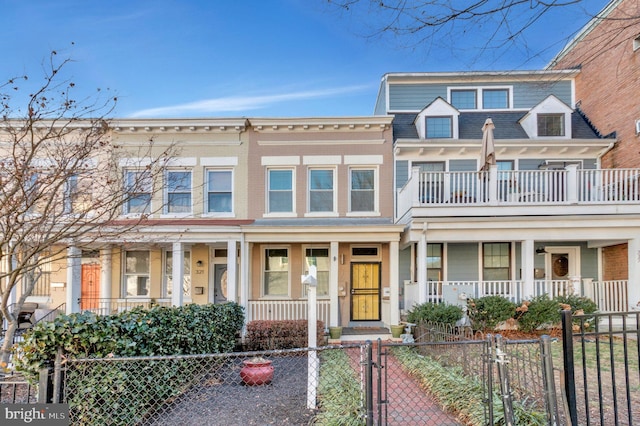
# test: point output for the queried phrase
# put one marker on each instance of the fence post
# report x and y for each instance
(503, 376)
(488, 361)
(569, 366)
(45, 385)
(548, 380)
(57, 378)
(369, 382)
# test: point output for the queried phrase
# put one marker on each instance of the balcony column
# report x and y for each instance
(572, 183)
(105, 273)
(232, 271)
(422, 266)
(334, 301)
(74, 279)
(493, 184)
(416, 188)
(527, 254)
(177, 275)
(394, 285)
(633, 281)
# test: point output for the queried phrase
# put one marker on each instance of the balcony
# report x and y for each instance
(562, 192)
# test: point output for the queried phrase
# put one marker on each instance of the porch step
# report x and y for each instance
(361, 334)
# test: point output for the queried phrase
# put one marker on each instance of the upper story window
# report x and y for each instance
(550, 124)
(280, 197)
(168, 274)
(219, 191)
(138, 186)
(439, 127)
(136, 273)
(178, 187)
(276, 272)
(362, 190)
(495, 98)
(464, 98)
(321, 190)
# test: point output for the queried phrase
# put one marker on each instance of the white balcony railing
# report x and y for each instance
(286, 310)
(610, 296)
(514, 187)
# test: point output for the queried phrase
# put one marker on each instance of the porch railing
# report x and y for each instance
(286, 310)
(610, 296)
(513, 187)
(108, 306)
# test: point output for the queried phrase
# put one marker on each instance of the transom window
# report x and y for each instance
(178, 187)
(320, 258)
(321, 190)
(168, 274)
(464, 99)
(219, 191)
(550, 124)
(136, 273)
(280, 199)
(276, 272)
(138, 186)
(439, 127)
(362, 190)
(496, 261)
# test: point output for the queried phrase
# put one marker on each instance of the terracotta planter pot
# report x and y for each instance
(257, 372)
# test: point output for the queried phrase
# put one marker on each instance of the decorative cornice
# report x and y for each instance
(196, 125)
(322, 124)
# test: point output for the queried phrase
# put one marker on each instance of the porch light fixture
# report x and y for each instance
(540, 250)
(199, 263)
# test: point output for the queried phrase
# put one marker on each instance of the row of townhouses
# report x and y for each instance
(392, 209)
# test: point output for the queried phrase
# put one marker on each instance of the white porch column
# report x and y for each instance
(527, 254)
(334, 301)
(177, 275)
(394, 285)
(244, 278)
(74, 279)
(633, 283)
(422, 266)
(232, 271)
(105, 273)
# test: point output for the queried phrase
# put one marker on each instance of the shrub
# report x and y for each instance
(435, 312)
(578, 303)
(539, 312)
(487, 312)
(282, 334)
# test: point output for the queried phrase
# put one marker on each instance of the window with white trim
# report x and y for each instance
(362, 190)
(168, 274)
(496, 261)
(439, 127)
(318, 256)
(321, 190)
(178, 191)
(495, 98)
(464, 98)
(219, 191)
(550, 124)
(138, 184)
(136, 273)
(276, 272)
(280, 191)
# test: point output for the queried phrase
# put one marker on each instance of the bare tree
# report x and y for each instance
(472, 28)
(61, 182)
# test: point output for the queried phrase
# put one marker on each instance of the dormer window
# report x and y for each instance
(550, 124)
(439, 127)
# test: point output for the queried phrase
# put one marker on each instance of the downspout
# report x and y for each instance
(602, 154)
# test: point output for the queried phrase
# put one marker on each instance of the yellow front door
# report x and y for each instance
(365, 292)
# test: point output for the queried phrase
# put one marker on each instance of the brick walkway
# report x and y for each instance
(407, 403)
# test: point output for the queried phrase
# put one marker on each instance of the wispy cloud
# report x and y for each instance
(243, 103)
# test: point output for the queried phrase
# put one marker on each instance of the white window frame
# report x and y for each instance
(480, 96)
(167, 212)
(264, 271)
(291, 213)
(376, 191)
(334, 198)
(426, 127)
(149, 191)
(305, 268)
(167, 275)
(126, 275)
(208, 191)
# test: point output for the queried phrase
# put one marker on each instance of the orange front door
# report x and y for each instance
(90, 291)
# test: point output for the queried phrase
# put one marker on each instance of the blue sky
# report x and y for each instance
(254, 58)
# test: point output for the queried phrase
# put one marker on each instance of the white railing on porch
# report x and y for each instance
(610, 296)
(286, 310)
(513, 187)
